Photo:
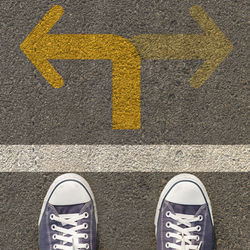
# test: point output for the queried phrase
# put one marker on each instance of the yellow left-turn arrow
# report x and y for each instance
(39, 47)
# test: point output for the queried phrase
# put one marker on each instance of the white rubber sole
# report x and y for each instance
(67, 177)
(171, 183)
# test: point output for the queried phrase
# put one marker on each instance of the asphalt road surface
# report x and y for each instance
(172, 112)
(32, 112)
(126, 204)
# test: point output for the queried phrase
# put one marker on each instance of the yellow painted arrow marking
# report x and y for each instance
(40, 47)
(213, 46)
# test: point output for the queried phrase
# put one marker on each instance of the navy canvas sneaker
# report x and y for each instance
(68, 218)
(183, 217)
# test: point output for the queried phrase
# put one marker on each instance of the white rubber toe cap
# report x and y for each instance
(186, 193)
(68, 189)
(69, 193)
(184, 189)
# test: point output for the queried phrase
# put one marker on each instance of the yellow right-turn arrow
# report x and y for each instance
(212, 46)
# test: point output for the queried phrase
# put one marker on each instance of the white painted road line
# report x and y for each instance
(124, 158)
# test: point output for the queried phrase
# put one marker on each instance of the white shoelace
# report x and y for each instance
(183, 235)
(70, 235)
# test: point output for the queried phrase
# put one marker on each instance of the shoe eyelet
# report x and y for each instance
(197, 237)
(87, 246)
(52, 216)
(198, 228)
(85, 225)
(53, 227)
(86, 236)
(54, 236)
(86, 215)
(167, 235)
(200, 218)
(54, 246)
(168, 224)
(167, 245)
(168, 213)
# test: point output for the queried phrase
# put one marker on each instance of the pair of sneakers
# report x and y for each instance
(183, 219)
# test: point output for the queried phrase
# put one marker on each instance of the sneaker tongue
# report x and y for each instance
(69, 209)
(185, 209)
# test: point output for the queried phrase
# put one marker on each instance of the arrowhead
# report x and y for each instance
(32, 46)
(216, 48)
